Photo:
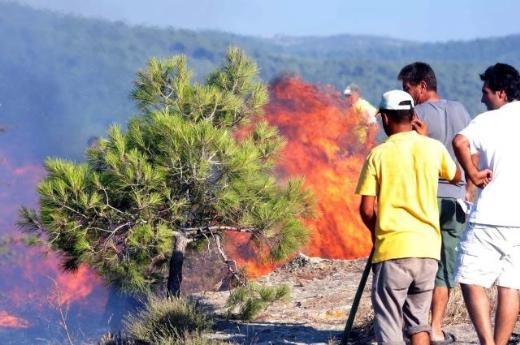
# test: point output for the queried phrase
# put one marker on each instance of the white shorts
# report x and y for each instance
(489, 254)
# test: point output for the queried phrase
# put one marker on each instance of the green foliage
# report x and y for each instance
(31, 240)
(166, 321)
(5, 243)
(246, 302)
(65, 79)
(177, 170)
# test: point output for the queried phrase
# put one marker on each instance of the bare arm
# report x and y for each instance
(367, 210)
(478, 177)
(470, 186)
(458, 176)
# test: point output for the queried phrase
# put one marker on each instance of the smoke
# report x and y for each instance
(37, 298)
(326, 144)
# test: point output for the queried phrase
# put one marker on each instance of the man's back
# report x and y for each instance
(445, 119)
(404, 171)
(367, 110)
(494, 134)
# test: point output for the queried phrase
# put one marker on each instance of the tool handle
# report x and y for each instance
(357, 299)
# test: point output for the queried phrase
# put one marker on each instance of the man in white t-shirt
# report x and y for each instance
(489, 251)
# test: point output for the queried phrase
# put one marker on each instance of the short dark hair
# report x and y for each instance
(503, 77)
(416, 72)
(399, 116)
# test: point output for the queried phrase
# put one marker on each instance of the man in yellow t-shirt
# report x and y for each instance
(367, 129)
(353, 97)
(402, 175)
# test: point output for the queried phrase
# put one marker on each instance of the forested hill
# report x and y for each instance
(64, 79)
(340, 46)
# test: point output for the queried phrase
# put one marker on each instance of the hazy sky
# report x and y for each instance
(422, 20)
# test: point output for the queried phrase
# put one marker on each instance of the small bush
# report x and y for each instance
(248, 301)
(191, 339)
(115, 339)
(166, 320)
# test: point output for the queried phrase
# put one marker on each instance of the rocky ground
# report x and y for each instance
(321, 297)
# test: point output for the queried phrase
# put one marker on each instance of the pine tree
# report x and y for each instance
(179, 173)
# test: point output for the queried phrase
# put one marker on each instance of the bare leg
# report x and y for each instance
(506, 315)
(477, 303)
(439, 303)
(421, 338)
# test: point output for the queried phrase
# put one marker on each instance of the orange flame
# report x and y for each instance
(246, 257)
(74, 287)
(326, 144)
(10, 321)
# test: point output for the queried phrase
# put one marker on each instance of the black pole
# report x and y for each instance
(357, 299)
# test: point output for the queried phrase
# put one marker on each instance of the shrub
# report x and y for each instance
(248, 301)
(165, 320)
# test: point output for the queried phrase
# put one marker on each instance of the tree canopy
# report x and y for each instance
(179, 173)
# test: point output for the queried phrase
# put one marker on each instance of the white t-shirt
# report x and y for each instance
(495, 134)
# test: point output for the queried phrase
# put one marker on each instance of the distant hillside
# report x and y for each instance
(505, 49)
(64, 79)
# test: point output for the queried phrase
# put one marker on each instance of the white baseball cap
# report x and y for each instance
(396, 100)
(350, 88)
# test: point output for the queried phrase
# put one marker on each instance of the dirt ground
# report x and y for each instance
(321, 296)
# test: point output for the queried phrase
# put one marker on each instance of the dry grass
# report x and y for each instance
(333, 341)
(457, 313)
(363, 331)
(191, 339)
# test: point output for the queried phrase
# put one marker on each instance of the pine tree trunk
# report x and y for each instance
(176, 262)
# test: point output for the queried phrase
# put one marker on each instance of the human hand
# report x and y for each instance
(481, 178)
(419, 126)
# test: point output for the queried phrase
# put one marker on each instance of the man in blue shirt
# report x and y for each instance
(444, 119)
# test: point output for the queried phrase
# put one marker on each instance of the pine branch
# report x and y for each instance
(231, 264)
(29, 221)
(202, 229)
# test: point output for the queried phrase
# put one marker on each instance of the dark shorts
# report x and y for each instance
(452, 221)
(401, 296)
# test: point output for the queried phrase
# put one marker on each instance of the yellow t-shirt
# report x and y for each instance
(403, 173)
(367, 110)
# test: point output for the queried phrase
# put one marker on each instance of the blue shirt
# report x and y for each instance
(445, 119)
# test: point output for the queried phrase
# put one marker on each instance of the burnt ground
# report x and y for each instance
(321, 295)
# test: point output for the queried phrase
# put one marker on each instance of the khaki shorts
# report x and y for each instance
(489, 254)
(401, 297)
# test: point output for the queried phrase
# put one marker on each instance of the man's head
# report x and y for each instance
(418, 80)
(501, 85)
(352, 93)
(396, 109)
